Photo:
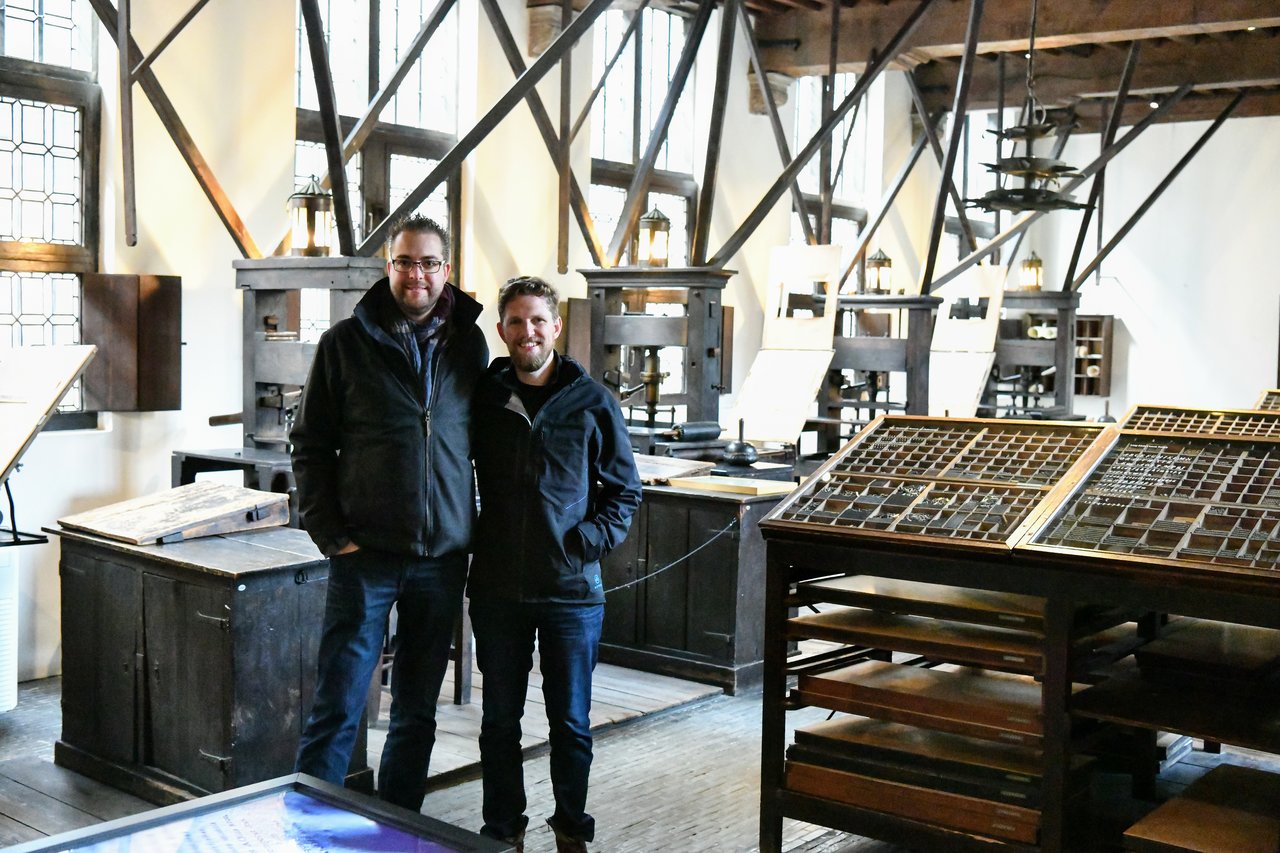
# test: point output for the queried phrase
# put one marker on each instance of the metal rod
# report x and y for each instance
(453, 159)
(1158, 191)
(565, 160)
(328, 101)
(886, 202)
(775, 121)
(632, 25)
(771, 196)
(958, 107)
(636, 192)
(1105, 157)
(128, 183)
(931, 133)
(1000, 63)
(164, 42)
(542, 119)
(1108, 137)
(707, 194)
(186, 146)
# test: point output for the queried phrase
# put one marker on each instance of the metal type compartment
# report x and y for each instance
(1270, 400)
(1178, 419)
(1196, 502)
(971, 481)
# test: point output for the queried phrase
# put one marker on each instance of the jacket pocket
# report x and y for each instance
(563, 470)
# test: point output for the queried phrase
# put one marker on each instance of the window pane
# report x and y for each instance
(405, 174)
(41, 309)
(40, 172)
(605, 203)
(348, 56)
(664, 39)
(612, 125)
(428, 96)
(58, 32)
(850, 189)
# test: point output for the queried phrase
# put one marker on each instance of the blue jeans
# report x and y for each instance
(568, 637)
(363, 585)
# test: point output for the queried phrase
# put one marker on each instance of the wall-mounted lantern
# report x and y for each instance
(879, 273)
(653, 239)
(1032, 277)
(311, 217)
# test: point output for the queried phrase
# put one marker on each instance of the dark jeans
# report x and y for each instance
(363, 585)
(568, 636)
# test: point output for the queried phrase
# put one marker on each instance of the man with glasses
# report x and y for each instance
(381, 454)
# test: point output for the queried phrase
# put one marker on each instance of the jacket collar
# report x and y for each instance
(378, 300)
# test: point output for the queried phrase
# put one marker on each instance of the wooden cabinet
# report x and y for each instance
(188, 668)
(1092, 366)
(701, 616)
(1171, 515)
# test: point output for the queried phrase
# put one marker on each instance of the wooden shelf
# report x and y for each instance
(1093, 354)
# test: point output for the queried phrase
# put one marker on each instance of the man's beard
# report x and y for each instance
(531, 362)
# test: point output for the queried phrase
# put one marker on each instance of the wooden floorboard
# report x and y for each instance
(41, 812)
(79, 792)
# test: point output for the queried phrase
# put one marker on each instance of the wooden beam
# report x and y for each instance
(504, 105)
(775, 121)
(164, 42)
(958, 111)
(128, 184)
(578, 201)
(1108, 137)
(1157, 192)
(931, 135)
(564, 162)
(637, 191)
(711, 162)
(328, 101)
(1063, 78)
(1004, 29)
(199, 167)
(1200, 106)
(771, 196)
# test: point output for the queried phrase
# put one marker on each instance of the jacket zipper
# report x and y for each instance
(426, 440)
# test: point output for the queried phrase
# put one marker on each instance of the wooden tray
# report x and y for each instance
(1230, 809)
(977, 703)
(939, 639)
(1005, 610)
(203, 508)
(1219, 649)
(969, 814)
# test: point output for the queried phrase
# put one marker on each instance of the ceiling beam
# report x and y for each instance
(1063, 77)
(1197, 106)
(1004, 28)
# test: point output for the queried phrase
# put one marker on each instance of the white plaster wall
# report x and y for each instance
(1194, 286)
(228, 75)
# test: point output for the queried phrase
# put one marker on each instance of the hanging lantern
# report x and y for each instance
(879, 273)
(311, 217)
(654, 232)
(1032, 273)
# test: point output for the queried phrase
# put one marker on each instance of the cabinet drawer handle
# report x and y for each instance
(223, 761)
(224, 624)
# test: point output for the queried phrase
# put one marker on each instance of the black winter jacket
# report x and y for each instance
(556, 493)
(374, 463)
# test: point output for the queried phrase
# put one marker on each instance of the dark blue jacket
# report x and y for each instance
(556, 493)
(375, 463)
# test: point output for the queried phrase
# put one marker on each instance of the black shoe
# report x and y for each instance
(517, 842)
(567, 843)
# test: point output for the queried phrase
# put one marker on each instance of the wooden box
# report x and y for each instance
(135, 321)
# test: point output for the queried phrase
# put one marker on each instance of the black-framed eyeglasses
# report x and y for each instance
(426, 264)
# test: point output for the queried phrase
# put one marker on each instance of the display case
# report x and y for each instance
(295, 812)
(1141, 588)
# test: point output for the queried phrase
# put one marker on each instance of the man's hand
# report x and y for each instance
(349, 548)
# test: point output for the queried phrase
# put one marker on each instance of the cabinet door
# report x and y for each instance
(186, 644)
(622, 612)
(690, 607)
(99, 665)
